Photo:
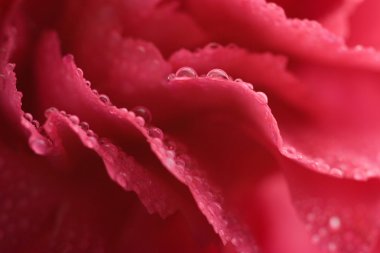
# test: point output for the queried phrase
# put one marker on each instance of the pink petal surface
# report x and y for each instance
(363, 25)
(254, 24)
(163, 24)
(76, 216)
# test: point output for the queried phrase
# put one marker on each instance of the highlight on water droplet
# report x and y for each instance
(144, 113)
(155, 132)
(40, 146)
(185, 73)
(218, 74)
(262, 97)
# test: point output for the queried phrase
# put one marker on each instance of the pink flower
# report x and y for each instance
(208, 126)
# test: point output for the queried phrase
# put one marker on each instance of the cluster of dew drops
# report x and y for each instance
(141, 116)
(186, 73)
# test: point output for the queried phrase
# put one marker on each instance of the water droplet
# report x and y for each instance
(315, 239)
(289, 151)
(141, 49)
(74, 119)
(84, 125)
(249, 86)
(336, 172)
(310, 217)
(50, 111)
(90, 142)
(185, 73)
(155, 132)
(213, 45)
(88, 83)
(182, 161)
(144, 113)
(40, 146)
(238, 80)
(124, 110)
(28, 116)
(332, 247)
(121, 179)
(334, 223)
(36, 123)
(96, 92)
(105, 99)
(91, 133)
(218, 74)
(262, 97)
(171, 77)
(80, 72)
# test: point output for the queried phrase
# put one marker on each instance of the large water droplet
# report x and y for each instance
(155, 132)
(262, 97)
(218, 74)
(40, 146)
(143, 112)
(185, 73)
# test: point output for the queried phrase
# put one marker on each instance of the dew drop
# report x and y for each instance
(84, 125)
(91, 133)
(141, 49)
(40, 146)
(88, 83)
(218, 74)
(262, 97)
(332, 247)
(155, 132)
(171, 77)
(334, 223)
(36, 123)
(90, 142)
(96, 92)
(80, 72)
(213, 45)
(28, 116)
(185, 73)
(50, 111)
(105, 99)
(336, 172)
(182, 161)
(144, 113)
(249, 86)
(121, 179)
(74, 119)
(315, 239)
